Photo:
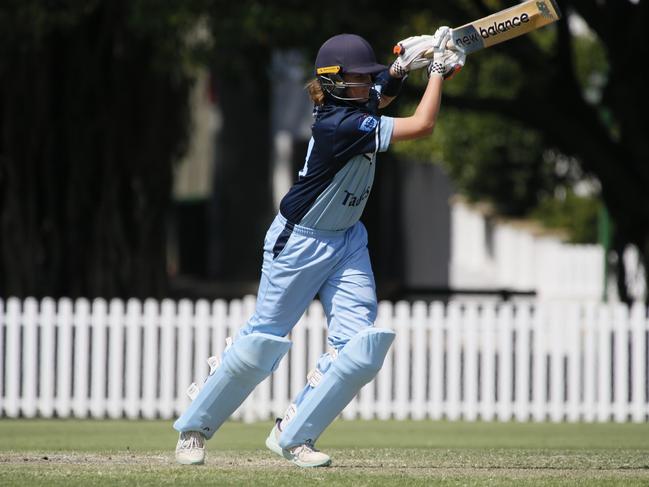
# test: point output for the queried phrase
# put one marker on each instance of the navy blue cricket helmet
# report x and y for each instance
(342, 54)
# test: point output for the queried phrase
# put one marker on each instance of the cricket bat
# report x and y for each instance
(502, 26)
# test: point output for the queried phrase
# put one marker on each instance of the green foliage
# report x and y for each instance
(497, 158)
(180, 31)
(489, 158)
(30, 21)
(98, 88)
(576, 215)
(94, 98)
(500, 77)
(591, 66)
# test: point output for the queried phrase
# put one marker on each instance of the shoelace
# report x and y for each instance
(305, 448)
(191, 441)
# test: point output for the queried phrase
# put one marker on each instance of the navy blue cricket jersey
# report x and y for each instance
(336, 180)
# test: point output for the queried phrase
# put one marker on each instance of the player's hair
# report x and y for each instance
(315, 91)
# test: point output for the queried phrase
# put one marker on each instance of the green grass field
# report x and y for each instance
(125, 453)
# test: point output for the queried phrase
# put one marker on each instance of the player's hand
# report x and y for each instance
(447, 64)
(441, 38)
(411, 55)
(453, 62)
(437, 66)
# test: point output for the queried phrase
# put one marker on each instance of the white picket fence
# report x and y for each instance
(525, 360)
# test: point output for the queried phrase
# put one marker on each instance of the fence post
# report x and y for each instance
(133, 353)
(436, 361)
(488, 403)
(402, 360)
(539, 379)
(219, 326)
(81, 322)
(621, 366)
(505, 365)
(638, 383)
(384, 385)
(30, 372)
(116, 353)
(13, 359)
(98, 359)
(453, 351)
(471, 332)
(168, 359)
(590, 363)
(201, 323)
(48, 329)
(557, 341)
(184, 371)
(604, 357)
(523, 355)
(573, 346)
(150, 359)
(419, 349)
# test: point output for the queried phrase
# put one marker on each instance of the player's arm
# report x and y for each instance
(411, 56)
(444, 65)
(422, 122)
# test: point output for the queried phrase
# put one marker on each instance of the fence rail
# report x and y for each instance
(528, 361)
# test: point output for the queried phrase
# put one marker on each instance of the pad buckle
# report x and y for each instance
(290, 412)
(333, 353)
(214, 363)
(314, 377)
(193, 390)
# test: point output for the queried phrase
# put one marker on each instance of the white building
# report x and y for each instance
(493, 253)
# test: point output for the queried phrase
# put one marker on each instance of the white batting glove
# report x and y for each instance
(437, 65)
(453, 62)
(411, 54)
(448, 64)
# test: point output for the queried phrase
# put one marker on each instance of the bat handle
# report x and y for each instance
(398, 49)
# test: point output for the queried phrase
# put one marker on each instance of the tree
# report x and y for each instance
(549, 96)
(584, 98)
(93, 112)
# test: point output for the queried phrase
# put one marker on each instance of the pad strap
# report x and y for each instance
(249, 360)
(357, 364)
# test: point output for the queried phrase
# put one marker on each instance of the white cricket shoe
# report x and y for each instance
(190, 449)
(301, 455)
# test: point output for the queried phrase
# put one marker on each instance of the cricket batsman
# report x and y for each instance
(317, 246)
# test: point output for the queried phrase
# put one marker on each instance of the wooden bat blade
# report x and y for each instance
(505, 25)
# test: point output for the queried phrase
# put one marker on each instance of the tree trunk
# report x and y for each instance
(89, 128)
(241, 207)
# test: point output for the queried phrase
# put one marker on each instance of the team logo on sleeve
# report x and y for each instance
(367, 123)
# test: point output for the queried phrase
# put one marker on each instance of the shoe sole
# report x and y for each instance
(272, 445)
(311, 465)
(190, 462)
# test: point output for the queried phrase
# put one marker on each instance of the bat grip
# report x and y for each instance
(449, 45)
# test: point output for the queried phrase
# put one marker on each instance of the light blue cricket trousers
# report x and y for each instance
(300, 263)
